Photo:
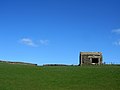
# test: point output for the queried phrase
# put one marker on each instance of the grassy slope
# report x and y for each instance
(23, 77)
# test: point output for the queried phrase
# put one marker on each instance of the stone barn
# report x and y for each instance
(90, 58)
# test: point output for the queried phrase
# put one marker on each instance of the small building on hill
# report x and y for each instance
(90, 58)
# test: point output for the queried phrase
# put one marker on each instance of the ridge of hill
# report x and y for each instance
(21, 63)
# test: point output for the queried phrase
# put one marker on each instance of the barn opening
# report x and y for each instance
(94, 60)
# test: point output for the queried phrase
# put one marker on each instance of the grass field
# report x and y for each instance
(26, 77)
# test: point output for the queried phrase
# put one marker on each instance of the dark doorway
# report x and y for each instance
(94, 60)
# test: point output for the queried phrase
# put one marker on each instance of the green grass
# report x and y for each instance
(26, 77)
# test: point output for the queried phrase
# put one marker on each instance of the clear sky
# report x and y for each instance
(55, 31)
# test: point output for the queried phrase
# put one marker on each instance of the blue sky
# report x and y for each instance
(55, 31)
